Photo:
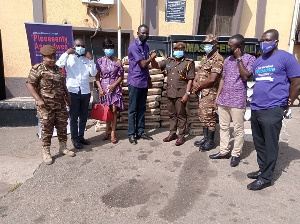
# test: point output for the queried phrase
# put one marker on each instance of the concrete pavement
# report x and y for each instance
(151, 182)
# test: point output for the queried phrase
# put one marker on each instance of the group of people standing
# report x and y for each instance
(219, 85)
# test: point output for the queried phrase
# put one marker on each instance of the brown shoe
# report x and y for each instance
(180, 141)
(170, 138)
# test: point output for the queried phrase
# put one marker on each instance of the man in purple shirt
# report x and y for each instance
(231, 98)
(277, 76)
(138, 83)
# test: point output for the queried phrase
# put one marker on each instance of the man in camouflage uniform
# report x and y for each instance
(206, 84)
(180, 72)
(46, 84)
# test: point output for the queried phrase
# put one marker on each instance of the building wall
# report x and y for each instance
(248, 20)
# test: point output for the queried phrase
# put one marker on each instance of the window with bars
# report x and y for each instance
(216, 17)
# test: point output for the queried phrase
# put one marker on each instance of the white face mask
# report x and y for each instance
(80, 50)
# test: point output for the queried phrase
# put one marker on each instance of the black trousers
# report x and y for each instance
(266, 126)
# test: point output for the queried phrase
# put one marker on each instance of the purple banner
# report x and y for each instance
(40, 34)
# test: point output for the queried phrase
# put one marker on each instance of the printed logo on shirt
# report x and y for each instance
(265, 73)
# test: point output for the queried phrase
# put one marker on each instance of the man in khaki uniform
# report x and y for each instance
(180, 72)
(46, 84)
(206, 84)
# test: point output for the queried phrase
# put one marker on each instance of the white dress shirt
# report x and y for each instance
(78, 71)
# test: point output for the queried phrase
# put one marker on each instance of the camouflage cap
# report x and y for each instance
(48, 50)
(210, 38)
(179, 45)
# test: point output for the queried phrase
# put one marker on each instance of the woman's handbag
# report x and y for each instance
(102, 112)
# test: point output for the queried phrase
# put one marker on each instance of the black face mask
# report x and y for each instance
(230, 51)
(143, 38)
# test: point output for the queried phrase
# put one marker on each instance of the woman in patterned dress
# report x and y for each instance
(111, 73)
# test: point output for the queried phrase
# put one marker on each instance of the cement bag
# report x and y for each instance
(192, 112)
(196, 132)
(154, 71)
(154, 111)
(125, 90)
(122, 126)
(126, 105)
(125, 61)
(163, 106)
(153, 98)
(124, 113)
(100, 127)
(158, 77)
(193, 98)
(166, 79)
(124, 119)
(165, 118)
(159, 84)
(165, 124)
(152, 104)
(154, 91)
(196, 125)
(164, 100)
(126, 68)
(164, 93)
(165, 85)
(197, 66)
(125, 98)
(152, 125)
(125, 75)
(164, 113)
(192, 119)
(152, 117)
(192, 104)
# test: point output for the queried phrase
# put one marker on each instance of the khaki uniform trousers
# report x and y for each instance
(237, 116)
(178, 117)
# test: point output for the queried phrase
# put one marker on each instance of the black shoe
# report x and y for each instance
(132, 140)
(77, 145)
(144, 136)
(234, 161)
(219, 156)
(258, 185)
(254, 175)
(84, 142)
(204, 139)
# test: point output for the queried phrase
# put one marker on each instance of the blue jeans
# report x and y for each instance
(78, 110)
(136, 110)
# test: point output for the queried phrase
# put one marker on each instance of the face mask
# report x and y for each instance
(109, 52)
(267, 47)
(230, 51)
(143, 38)
(178, 54)
(208, 48)
(80, 50)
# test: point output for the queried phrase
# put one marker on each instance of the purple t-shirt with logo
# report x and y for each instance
(137, 76)
(272, 75)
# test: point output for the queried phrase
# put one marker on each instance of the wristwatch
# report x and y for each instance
(238, 60)
(188, 93)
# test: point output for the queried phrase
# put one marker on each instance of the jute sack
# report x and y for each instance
(153, 98)
(164, 113)
(193, 98)
(154, 71)
(197, 66)
(126, 105)
(166, 79)
(192, 104)
(126, 68)
(124, 83)
(164, 93)
(125, 90)
(124, 113)
(125, 61)
(164, 99)
(154, 111)
(124, 119)
(165, 124)
(154, 91)
(193, 119)
(125, 75)
(152, 104)
(152, 125)
(165, 118)
(163, 106)
(125, 98)
(158, 77)
(197, 132)
(152, 117)
(122, 126)
(192, 112)
(165, 85)
(196, 125)
(159, 59)
(159, 84)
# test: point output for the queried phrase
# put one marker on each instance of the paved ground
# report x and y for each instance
(151, 182)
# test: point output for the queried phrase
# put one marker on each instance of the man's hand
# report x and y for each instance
(153, 55)
(237, 53)
(196, 87)
(89, 55)
(70, 51)
(40, 103)
(184, 98)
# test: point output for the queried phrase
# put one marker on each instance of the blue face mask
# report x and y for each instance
(178, 54)
(267, 47)
(80, 50)
(208, 48)
(109, 52)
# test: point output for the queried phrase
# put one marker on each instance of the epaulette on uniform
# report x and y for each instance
(36, 66)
